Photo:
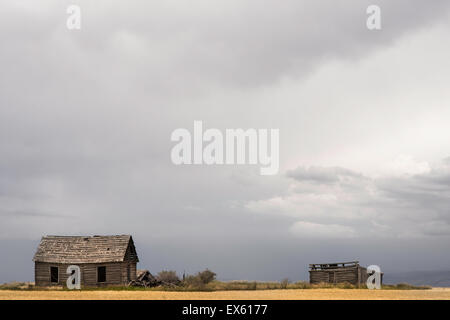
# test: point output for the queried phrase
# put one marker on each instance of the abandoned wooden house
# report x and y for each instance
(338, 272)
(103, 260)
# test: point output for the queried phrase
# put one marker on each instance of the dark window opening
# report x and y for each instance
(101, 274)
(128, 273)
(54, 277)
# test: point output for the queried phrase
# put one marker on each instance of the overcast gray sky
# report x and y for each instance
(86, 117)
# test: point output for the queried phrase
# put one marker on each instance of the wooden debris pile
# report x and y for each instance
(145, 279)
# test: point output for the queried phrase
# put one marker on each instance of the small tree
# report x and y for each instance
(206, 276)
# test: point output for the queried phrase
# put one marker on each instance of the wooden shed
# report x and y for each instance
(103, 260)
(338, 272)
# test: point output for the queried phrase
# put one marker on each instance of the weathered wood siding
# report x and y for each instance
(116, 273)
(353, 275)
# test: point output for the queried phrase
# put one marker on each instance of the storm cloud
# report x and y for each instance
(336, 202)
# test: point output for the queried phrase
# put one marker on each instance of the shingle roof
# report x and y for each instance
(79, 249)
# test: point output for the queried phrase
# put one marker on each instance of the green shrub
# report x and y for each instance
(193, 282)
(200, 280)
(168, 277)
(284, 283)
(206, 276)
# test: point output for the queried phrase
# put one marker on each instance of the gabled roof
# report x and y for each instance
(79, 249)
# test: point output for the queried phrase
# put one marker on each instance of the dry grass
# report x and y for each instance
(218, 286)
(287, 294)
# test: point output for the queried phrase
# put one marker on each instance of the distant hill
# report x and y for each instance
(430, 278)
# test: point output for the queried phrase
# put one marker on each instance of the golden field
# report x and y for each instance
(286, 294)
